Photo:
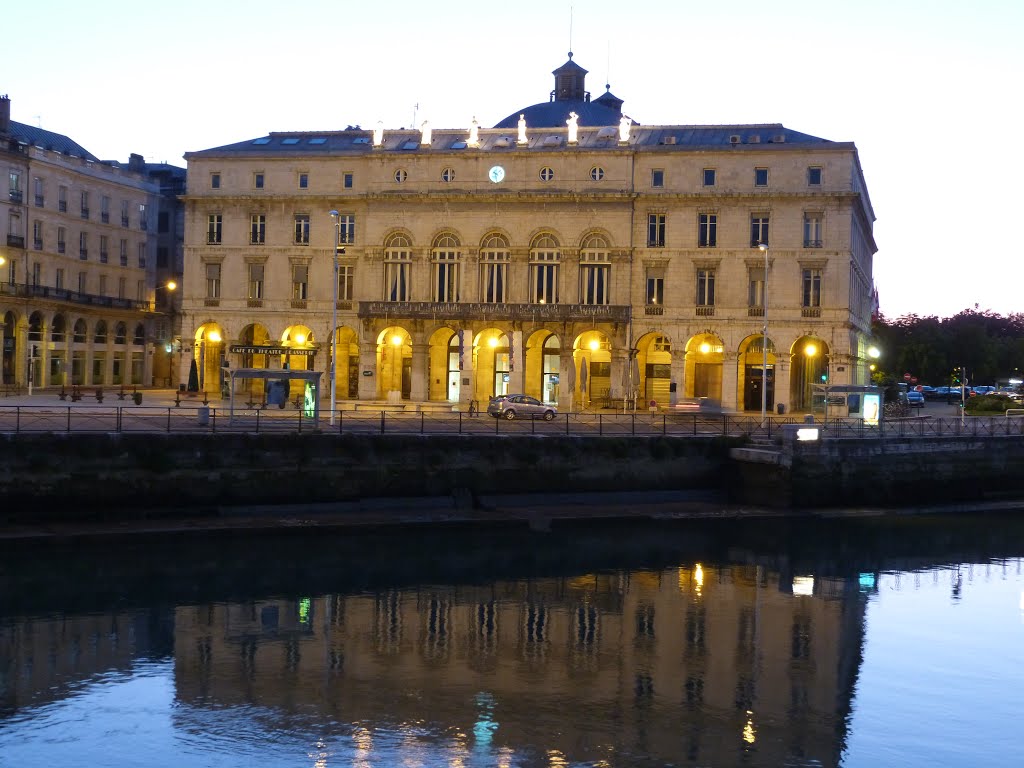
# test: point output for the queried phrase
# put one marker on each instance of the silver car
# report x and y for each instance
(520, 407)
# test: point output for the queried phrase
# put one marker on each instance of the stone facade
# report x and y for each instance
(78, 248)
(587, 265)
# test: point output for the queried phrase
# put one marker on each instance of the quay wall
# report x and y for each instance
(886, 473)
(64, 477)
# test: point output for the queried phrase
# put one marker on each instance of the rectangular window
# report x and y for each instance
(595, 282)
(140, 290)
(105, 209)
(758, 229)
(163, 222)
(300, 282)
(446, 276)
(58, 279)
(812, 230)
(709, 177)
(214, 181)
(123, 252)
(122, 286)
(258, 229)
(38, 188)
(396, 279)
(124, 213)
(82, 281)
(656, 230)
(62, 199)
(707, 230)
(256, 281)
(760, 177)
(705, 287)
(812, 288)
(814, 176)
(15, 189)
(257, 180)
(346, 282)
(142, 255)
(302, 229)
(61, 240)
(655, 287)
(37, 274)
(143, 218)
(544, 283)
(755, 290)
(347, 180)
(657, 178)
(83, 245)
(214, 231)
(494, 276)
(346, 228)
(103, 285)
(85, 205)
(37, 235)
(213, 281)
(104, 252)
(303, 181)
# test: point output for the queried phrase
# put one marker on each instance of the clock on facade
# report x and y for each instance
(496, 174)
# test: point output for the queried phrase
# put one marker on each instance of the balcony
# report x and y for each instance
(810, 312)
(105, 217)
(124, 221)
(707, 310)
(62, 206)
(211, 302)
(455, 310)
(15, 195)
(85, 213)
(76, 297)
(654, 309)
(37, 244)
(755, 311)
(213, 239)
(124, 260)
(83, 254)
(812, 243)
(255, 303)
(143, 225)
(40, 201)
(15, 241)
(103, 257)
(62, 247)
(298, 303)
(344, 305)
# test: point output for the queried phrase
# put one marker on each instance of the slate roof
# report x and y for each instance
(55, 142)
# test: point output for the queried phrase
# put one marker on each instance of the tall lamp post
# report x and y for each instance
(334, 312)
(764, 336)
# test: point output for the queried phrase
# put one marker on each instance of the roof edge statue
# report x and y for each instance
(569, 95)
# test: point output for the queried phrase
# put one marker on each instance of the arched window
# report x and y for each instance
(545, 257)
(140, 335)
(120, 333)
(397, 268)
(445, 258)
(80, 332)
(35, 327)
(595, 270)
(101, 333)
(58, 329)
(494, 258)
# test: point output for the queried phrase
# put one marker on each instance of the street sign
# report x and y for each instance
(906, 377)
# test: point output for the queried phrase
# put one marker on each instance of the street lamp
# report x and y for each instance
(764, 336)
(334, 311)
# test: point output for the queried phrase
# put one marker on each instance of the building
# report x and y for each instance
(77, 269)
(569, 253)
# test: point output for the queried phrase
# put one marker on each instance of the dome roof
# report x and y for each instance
(569, 95)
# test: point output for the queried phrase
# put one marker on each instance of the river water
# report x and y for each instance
(878, 642)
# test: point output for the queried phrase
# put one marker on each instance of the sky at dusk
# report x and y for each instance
(930, 92)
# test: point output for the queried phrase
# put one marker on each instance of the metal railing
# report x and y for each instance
(87, 417)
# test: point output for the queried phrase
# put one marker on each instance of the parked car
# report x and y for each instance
(915, 399)
(928, 392)
(520, 407)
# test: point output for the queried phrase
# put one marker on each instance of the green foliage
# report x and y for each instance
(987, 345)
(988, 404)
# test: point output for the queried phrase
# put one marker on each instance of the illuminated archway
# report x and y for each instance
(543, 363)
(394, 364)
(751, 378)
(705, 355)
(208, 358)
(651, 373)
(492, 350)
(592, 359)
(444, 368)
(809, 362)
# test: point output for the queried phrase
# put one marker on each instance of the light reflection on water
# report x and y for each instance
(691, 646)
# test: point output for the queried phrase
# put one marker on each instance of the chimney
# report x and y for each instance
(136, 163)
(5, 114)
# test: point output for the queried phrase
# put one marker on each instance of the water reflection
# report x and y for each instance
(711, 644)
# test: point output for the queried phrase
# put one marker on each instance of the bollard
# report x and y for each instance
(203, 414)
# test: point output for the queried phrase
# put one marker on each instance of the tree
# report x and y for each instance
(193, 377)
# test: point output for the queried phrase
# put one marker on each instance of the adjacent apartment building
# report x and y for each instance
(78, 263)
(569, 253)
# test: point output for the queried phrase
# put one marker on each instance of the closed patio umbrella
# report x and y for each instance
(583, 376)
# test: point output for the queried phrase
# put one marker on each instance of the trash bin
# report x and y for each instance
(204, 415)
(780, 408)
